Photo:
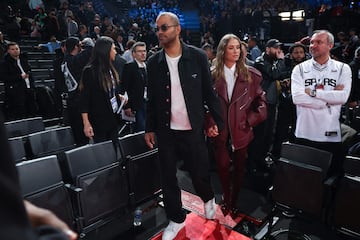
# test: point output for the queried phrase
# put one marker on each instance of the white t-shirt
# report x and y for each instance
(179, 119)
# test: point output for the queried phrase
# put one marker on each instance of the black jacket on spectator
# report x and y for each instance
(355, 85)
(271, 71)
(134, 82)
(20, 100)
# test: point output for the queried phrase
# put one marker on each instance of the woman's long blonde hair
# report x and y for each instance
(241, 68)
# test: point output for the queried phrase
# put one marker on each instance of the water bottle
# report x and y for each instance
(137, 217)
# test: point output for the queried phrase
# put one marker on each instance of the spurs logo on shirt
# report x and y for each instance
(325, 81)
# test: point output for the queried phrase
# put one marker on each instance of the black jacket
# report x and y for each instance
(134, 84)
(11, 73)
(271, 70)
(96, 102)
(355, 85)
(196, 86)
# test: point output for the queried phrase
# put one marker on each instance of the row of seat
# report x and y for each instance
(301, 184)
(90, 185)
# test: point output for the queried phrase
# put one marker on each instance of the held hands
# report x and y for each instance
(212, 131)
(150, 139)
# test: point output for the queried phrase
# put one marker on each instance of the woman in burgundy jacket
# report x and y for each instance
(243, 106)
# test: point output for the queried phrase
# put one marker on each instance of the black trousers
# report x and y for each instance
(192, 147)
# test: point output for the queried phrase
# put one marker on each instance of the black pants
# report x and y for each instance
(194, 150)
(75, 121)
(336, 148)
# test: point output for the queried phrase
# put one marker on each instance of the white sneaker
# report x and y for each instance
(172, 230)
(210, 209)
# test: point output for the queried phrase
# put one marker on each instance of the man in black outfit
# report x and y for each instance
(135, 84)
(19, 86)
(178, 88)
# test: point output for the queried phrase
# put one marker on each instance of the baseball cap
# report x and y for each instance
(273, 43)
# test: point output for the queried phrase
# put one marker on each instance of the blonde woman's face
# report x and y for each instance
(232, 51)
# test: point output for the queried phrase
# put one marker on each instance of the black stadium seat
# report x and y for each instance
(52, 141)
(17, 148)
(346, 207)
(24, 126)
(143, 167)
(41, 184)
(299, 178)
(99, 184)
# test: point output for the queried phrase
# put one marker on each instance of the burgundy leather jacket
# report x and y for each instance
(246, 109)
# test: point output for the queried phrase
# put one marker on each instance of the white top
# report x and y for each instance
(230, 79)
(320, 114)
(27, 81)
(179, 119)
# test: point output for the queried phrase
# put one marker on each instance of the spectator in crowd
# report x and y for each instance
(135, 84)
(319, 87)
(355, 85)
(254, 49)
(272, 67)
(128, 53)
(243, 107)
(209, 53)
(99, 93)
(119, 43)
(52, 45)
(83, 32)
(96, 33)
(19, 86)
(207, 39)
(286, 118)
(119, 63)
(3, 45)
(60, 87)
(74, 61)
(72, 26)
(19, 217)
(179, 85)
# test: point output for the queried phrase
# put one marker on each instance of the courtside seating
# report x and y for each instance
(143, 167)
(41, 184)
(98, 182)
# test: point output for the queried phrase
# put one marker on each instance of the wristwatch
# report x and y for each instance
(313, 93)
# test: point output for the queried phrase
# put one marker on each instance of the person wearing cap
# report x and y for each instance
(272, 67)
(319, 87)
(75, 59)
(286, 118)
